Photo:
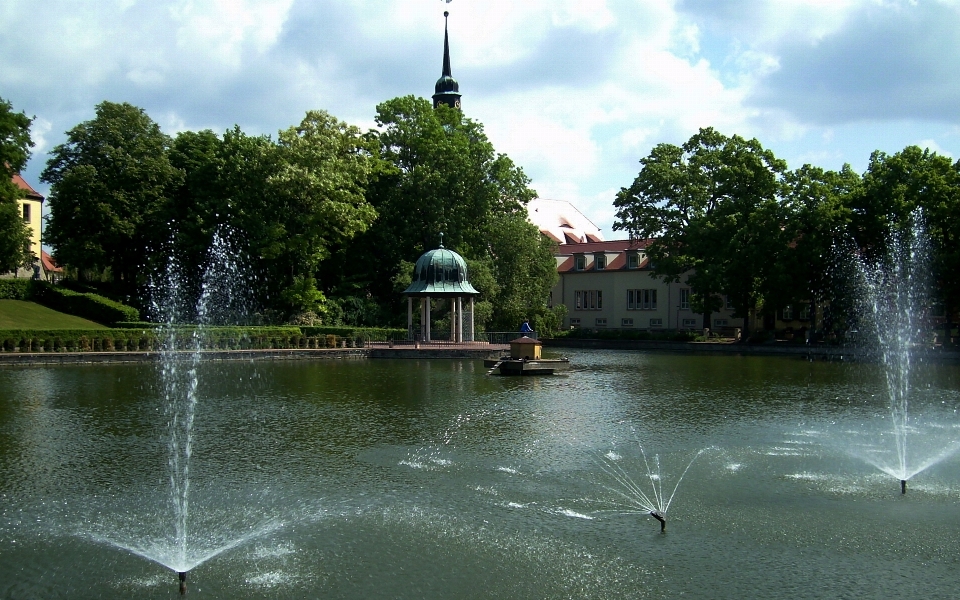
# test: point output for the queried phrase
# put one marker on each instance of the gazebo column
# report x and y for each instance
(409, 317)
(459, 319)
(426, 335)
(473, 337)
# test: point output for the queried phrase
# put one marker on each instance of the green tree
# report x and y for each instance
(439, 174)
(109, 184)
(819, 217)
(15, 144)
(893, 188)
(290, 200)
(711, 212)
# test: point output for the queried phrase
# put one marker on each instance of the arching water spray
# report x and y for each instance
(631, 497)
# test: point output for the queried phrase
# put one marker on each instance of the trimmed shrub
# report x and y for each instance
(14, 289)
(89, 306)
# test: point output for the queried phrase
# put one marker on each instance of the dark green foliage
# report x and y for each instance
(15, 289)
(629, 334)
(15, 144)
(440, 175)
(365, 333)
(711, 206)
(109, 183)
(89, 306)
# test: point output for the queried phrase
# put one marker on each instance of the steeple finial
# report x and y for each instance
(446, 47)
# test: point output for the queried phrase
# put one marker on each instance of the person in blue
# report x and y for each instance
(525, 328)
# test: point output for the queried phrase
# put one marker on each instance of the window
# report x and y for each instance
(719, 322)
(689, 322)
(684, 299)
(788, 313)
(26, 212)
(574, 322)
(600, 262)
(656, 322)
(601, 322)
(581, 262)
(642, 299)
(633, 260)
(588, 300)
(626, 322)
(805, 312)
(728, 303)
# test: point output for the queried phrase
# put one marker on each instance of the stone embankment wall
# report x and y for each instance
(815, 352)
(65, 358)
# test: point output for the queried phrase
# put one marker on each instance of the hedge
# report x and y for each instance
(89, 306)
(212, 338)
(627, 334)
(14, 289)
(363, 334)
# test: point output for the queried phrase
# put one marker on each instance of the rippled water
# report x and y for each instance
(428, 479)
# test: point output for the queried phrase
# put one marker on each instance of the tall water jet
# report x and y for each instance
(896, 300)
(220, 301)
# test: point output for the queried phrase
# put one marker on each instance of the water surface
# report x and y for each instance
(429, 479)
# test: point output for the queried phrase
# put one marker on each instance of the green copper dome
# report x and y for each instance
(440, 272)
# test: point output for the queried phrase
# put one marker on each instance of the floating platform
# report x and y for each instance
(519, 366)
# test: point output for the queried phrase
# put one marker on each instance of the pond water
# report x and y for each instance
(430, 479)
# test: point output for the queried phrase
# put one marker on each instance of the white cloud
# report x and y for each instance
(933, 146)
(575, 91)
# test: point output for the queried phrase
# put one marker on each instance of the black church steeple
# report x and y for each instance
(447, 90)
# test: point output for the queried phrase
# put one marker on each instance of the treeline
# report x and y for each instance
(328, 219)
(767, 237)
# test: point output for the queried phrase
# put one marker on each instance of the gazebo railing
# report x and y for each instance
(443, 338)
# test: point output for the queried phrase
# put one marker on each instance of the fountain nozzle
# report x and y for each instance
(183, 582)
(660, 517)
(903, 486)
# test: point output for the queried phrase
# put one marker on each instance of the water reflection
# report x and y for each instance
(501, 499)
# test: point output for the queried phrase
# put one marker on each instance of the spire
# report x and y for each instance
(446, 47)
(447, 90)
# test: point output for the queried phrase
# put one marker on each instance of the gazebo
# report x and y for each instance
(441, 273)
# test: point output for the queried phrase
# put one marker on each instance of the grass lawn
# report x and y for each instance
(18, 314)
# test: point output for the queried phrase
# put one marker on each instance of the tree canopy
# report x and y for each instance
(438, 174)
(109, 183)
(727, 216)
(15, 144)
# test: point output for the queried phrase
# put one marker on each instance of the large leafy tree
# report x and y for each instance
(893, 188)
(817, 202)
(288, 200)
(109, 183)
(710, 207)
(439, 174)
(15, 144)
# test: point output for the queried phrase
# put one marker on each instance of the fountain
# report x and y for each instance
(221, 300)
(631, 496)
(895, 305)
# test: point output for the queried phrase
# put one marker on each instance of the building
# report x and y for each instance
(609, 284)
(31, 208)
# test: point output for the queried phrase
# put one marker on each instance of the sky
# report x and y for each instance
(576, 92)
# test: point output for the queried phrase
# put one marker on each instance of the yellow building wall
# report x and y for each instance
(36, 213)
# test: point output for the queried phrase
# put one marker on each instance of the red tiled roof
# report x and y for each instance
(611, 246)
(48, 263)
(23, 185)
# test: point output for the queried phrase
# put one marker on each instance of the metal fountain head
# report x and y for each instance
(660, 517)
